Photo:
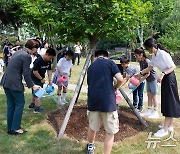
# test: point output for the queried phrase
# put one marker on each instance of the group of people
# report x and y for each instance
(20, 67)
(101, 96)
(9, 49)
(102, 100)
(129, 71)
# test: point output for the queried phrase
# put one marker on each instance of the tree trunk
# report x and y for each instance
(54, 47)
(57, 52)
(140, 34)
(132, 42)
(92, 41)
(132, 107)
(76, 92)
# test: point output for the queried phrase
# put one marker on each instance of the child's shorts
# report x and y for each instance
(110, 121)
(56, 77)
(152, 87)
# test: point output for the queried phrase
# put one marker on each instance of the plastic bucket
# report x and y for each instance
(131, 86)
(62, 79)
(134, 81)
(49, 89)
(39, 93)
(118, 97)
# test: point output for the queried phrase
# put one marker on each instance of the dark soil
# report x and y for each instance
(78, 123)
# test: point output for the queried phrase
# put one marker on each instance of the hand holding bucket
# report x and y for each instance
(39, 93)
(62, 79)
(134, 81)
(131, 86)
(118, 97)
(49, 89)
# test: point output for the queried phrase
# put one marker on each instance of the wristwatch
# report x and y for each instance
(164, 73)
(141, 73)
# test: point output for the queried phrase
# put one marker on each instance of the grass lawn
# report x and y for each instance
(41, 137)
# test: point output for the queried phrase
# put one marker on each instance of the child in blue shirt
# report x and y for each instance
(151, 83)
(102, 99)
(130, 70)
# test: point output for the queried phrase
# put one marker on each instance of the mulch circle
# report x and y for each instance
(78, 123)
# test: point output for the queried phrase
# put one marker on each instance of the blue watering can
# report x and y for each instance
(39, 93)
(49, 89)
(131, 86)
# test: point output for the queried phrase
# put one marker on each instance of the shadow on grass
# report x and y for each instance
(40, 137)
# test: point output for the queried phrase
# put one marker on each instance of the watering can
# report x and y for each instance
(118, 97)
(49, 89)
(131, 86)
(134, 81)
(62, 79)
(39, 93)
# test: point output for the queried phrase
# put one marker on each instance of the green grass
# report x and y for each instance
(41, 137)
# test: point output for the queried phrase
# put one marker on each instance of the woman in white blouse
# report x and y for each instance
(170, 103)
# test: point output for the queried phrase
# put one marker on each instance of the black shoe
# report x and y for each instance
(38, 109)
(9, 131)
(90, 148)
(17, 132)
(31, 106)
(135, 106)
(139, 110)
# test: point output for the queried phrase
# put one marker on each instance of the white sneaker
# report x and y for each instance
(161, 133)
(61, 103)
(170, 129)
(64, 101)
(147, 113)
(154, 115)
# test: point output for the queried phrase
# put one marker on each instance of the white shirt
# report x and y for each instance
(64, 65)
(39, 50)
(1, 65)
(162, 60)
(78, 48)
(33, 58)
(43, 51)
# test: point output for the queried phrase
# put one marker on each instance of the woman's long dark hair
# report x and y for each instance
(140, 51)
(151, 42)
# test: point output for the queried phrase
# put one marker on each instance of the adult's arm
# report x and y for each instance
(50, 76)
(27, 71)
(144, 71)
(169, 70)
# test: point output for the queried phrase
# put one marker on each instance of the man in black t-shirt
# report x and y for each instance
(102, 99)
(41, 65)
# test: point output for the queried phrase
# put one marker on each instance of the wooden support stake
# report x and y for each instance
(132, 107)
(80, 82)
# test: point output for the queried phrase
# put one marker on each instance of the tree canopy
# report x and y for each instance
(70, 21)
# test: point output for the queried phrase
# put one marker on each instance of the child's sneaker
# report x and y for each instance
(154, 115)
(90, 148)
(161, 133)
(139, 110)
(38, 109)
(31, 106)
(64, 101)
(147, 113)
(170, 129)
(61, 103)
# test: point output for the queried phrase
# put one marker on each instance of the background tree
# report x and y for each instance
(10, 16)
(171, 28)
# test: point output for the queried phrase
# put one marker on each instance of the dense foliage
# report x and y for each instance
(128, 22)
